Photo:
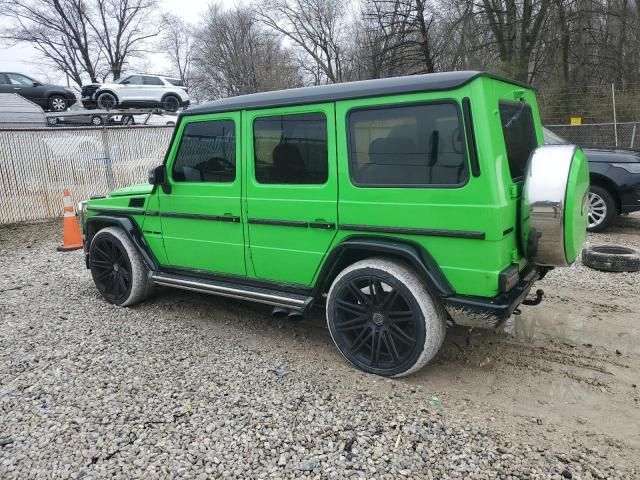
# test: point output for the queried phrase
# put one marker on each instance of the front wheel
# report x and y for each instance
(118, 271)
(57, 103)
(383, 319)
(106, 101)
(603, 209)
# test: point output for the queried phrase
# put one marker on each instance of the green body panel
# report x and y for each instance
(576, 206)
(287, 253)
(197, 243)
(487, 204)
(137, 189)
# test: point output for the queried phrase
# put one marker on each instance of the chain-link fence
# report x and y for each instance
(601, 135)
(36, 165)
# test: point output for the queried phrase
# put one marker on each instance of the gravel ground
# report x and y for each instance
(192, 386)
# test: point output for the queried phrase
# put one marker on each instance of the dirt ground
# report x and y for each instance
(563, 373)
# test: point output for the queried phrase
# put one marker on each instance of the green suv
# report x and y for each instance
(399, 204)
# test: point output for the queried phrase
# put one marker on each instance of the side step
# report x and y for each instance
(277, 298)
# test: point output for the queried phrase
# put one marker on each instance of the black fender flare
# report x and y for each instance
(106, 90)
(358, 246)
(130, 228)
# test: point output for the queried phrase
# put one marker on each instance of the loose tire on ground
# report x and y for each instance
(603, 209)
(610, 258)
(383, 319)
(118, 271)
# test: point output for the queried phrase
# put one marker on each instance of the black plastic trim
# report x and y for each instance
(236, 279)
(411, 252)
(199, 216)
(129, 226)
(322, 225)
(117, 211)
(429, 232)
(278, 223)
(471, 137)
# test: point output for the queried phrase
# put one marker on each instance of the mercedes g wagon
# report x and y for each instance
(397, 204)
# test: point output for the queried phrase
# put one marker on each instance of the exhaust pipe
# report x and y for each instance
(295, 316)
(280, 312)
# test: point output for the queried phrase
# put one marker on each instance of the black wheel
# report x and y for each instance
(57, 103)
(127, 120)
(106, 101)
(52, 120)
(609, 258)
(118, 271)
(382, 318)
(97, 120)
(603, 209)
(171, 103)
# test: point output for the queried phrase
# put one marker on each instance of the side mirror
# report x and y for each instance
(37, 84)
(126, 82)
(158, 176)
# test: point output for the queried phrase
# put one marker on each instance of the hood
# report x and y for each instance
(138, 189)
(604, 155)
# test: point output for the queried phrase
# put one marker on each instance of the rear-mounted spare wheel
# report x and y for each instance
(555, 205)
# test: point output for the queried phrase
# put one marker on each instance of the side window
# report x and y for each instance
(291, 149)
(4, 80)
(20, 80)
(413, 145)
(152, 81)
(519, 135)
(134, 80)
(207, 153)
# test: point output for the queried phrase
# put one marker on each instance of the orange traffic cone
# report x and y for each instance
(72, 238)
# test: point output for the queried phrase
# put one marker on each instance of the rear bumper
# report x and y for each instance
(491, 312)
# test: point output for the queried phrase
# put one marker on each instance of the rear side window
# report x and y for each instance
(519, 135)
(207, 153)
(176, 82)
(152, 81)
(413, 145)
(134, 80)
(291, 149)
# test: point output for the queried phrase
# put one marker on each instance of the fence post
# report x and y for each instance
(615, 122)
(108, 167)
(633, 135)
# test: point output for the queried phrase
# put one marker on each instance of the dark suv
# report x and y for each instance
(615, 182)
(49, 97)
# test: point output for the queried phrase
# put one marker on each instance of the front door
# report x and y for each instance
(291, 191)
(201, 215)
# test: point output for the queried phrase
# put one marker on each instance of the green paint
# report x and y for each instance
(488, 203)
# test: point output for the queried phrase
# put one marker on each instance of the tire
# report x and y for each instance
(127, 120)
(106, 101)
(171, 103)
(118, 271)
(57, 103)
(52, 120)
(603, 209)
(362, 303)
(97, 121)
(611, 258)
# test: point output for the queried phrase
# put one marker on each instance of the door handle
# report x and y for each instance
(17, 88)
(322, 224)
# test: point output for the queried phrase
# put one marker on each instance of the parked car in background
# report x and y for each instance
(78, 117)
(137, 91)
(50, 97)
(156, 119)
(615, 182)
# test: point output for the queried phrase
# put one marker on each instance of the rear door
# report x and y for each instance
(291, 191)
(201, 215)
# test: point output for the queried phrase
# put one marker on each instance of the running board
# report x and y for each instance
(277, 298)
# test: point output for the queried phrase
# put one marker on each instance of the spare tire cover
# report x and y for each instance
(555, 205)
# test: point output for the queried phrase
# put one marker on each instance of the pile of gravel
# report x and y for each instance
(186, 386)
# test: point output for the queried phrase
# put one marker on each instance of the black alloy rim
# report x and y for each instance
(107, 101)
(172, 104)
(375, 324)
(111, 269)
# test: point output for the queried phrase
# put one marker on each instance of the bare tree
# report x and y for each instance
(235, 55)
(122, 28)
(177, 41)
(59, 30)
(317, 27)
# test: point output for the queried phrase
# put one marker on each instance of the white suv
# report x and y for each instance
(137, 91)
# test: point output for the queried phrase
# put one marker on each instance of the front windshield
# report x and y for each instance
(551, 138)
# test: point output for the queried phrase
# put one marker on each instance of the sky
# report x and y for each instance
(25, 59)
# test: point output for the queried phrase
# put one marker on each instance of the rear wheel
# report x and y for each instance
(383, 319)
(171, 103)
(97, 120)
(603, 208)
(118, 271)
